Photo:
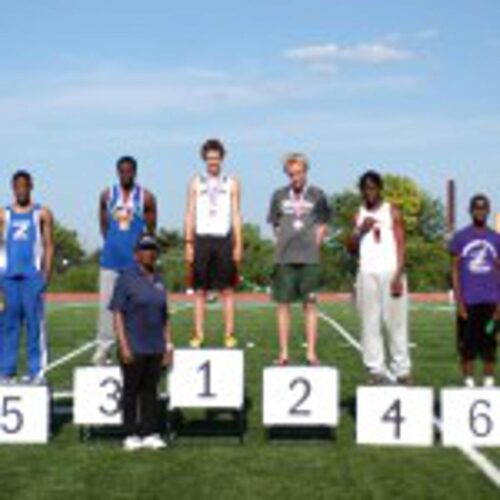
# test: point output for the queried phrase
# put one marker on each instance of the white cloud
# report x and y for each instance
(419, 36)
(331, 54)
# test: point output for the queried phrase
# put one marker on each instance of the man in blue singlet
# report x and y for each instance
(27, 230)
(126, 211)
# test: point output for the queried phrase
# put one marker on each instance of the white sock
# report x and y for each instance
(469, 382)
(489, 381)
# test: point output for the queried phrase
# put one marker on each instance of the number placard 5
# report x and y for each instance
(24, 414)
(471, 416)
(394, 416)
(301, 396)
(207, 378)
(97, 396)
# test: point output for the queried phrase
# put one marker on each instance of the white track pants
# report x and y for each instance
(378, 308)
(105, 331)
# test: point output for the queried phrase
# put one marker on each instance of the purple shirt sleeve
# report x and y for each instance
(455, 245)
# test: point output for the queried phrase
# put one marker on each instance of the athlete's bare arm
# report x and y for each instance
(237, 223)
(399, 235)
(47, 223)
(150, 211)
(2, 223)
(189, 222)
(457, 289)
(103, 215)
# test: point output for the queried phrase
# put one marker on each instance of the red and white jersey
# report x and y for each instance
(213, 205)
(378, 248)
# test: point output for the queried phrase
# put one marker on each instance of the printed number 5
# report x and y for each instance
(13, 414)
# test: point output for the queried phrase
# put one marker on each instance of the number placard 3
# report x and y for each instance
(24, 414)
(395, 416)
(207, 378)
(97, 396)
(471, 416)
(298, 396)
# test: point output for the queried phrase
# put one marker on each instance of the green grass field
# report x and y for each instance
(223, 469)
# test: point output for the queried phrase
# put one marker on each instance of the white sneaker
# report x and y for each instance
(101, 358)
(469, 382)
(8, 380)
(132, 443)
(489, 382)
(154, 442)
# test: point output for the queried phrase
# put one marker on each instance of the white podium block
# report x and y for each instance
(24, 414)
(207, 378)
(298, 396)
(97, 396)
(395, 416)
(470, 416)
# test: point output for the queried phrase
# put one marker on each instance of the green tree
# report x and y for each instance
(68, 251)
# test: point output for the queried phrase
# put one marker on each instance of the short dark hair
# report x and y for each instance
(479, 197)
(371, 176)
(212, 145)
(22, 174)
(127, 159)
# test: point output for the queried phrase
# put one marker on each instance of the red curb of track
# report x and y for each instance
(329, 298)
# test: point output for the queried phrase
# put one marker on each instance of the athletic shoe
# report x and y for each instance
(489, 382)
(314, 362)
(101, 358)
(33, 380)
(196, 342)
(153, 442)
(281, 362)
(469, 382)
(132, 443)
(404, 380)
(230, 342)
(376, 379)
(8, 380)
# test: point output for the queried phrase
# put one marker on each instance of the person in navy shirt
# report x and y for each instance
(27, 230)
(141, 319)
(475, 252)
(126, 210)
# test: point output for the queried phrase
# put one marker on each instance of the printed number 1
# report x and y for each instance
(205, 369)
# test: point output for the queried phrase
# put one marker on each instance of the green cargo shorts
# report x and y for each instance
(296, 283)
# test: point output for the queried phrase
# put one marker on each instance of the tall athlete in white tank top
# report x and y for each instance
(378, 239)
(213, 232)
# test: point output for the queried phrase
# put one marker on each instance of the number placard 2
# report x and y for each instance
(207, 378)
(97, 396)
(395, 416)
(471, 416)
(24, 414)
(298, 396)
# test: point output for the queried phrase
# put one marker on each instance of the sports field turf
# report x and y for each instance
(221, 468)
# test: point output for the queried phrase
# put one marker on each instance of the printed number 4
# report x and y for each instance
(393, 416)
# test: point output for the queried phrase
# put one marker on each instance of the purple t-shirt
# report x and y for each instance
(479, 252)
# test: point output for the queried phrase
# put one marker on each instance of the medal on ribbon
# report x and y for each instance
(297, 201)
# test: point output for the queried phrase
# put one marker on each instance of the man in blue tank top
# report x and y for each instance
(126, 211)
(27, 230)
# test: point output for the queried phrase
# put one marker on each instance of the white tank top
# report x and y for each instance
(213, 205)
(378, 249)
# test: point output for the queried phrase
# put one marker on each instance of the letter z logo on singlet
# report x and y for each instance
(20, 230)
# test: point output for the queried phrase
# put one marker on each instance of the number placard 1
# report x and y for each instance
(97, 396)
(395, 416)
(471, 416)
(24, 414)
(301, 396)
(207, 378)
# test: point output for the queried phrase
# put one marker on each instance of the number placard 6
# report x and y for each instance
(301, 396)
(471, 416)
(24, 414)
(207, 378)
(97, 396)
(394, 416)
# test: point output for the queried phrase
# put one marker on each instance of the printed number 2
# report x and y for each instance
(205, 369)
(393, 416)
(113, 396)
(297, 410)
(12, 415)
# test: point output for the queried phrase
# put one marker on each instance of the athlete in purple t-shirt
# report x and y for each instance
(476, 282)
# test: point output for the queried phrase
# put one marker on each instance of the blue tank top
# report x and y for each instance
(23, 243)
(125, 223)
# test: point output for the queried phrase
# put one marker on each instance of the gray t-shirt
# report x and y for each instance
(296, 220)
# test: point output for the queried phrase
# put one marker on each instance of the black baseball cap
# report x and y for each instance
(147, 242)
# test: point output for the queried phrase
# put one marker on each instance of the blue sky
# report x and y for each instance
(404, 86)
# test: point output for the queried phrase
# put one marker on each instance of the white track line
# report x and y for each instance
(473, 454)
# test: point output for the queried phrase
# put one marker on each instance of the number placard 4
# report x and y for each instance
(395, 416)
(207, 378)
(471, 416)
(24, 414)
(298, 396)
(97, 396)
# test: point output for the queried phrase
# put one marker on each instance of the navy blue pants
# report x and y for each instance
(24, 305)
